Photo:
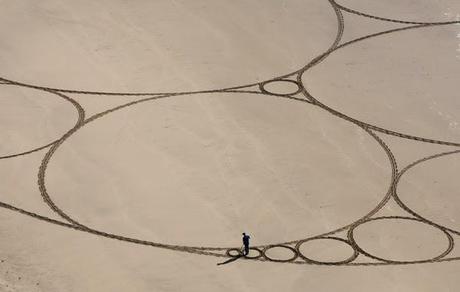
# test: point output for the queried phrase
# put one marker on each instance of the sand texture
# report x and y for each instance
(139, 139)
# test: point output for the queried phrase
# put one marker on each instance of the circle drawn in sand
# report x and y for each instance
(281, 87)
(400, 240)
(195, 170)
(326, 251)
(280, 253)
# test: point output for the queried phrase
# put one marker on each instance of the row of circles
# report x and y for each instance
(296, 253)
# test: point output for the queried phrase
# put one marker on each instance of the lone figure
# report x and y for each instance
(246, 243)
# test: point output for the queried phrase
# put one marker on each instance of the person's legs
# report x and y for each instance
(246, 250)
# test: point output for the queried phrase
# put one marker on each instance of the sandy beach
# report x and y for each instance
(139, 139)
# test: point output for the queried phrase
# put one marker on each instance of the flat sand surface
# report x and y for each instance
(139, 139)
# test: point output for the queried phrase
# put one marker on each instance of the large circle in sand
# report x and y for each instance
(405, 81)
(161, 45)
(201, 169)
(407, 10)
(401, 239)
(431, 189)
(31, 119)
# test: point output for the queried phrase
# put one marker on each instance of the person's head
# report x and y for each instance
(244, 234)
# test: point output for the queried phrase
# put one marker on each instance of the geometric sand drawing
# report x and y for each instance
(198, 152)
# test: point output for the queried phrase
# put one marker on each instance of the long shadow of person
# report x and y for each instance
(230, 260)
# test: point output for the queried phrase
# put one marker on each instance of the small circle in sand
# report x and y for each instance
(280, 253)
(281, 87)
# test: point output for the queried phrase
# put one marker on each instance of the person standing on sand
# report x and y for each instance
(245, 251)
(246, 244)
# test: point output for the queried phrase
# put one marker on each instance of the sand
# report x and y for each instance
(139, 139)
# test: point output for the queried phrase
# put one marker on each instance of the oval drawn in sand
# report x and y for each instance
(401, 239)
(201, 169)
(329, 250)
